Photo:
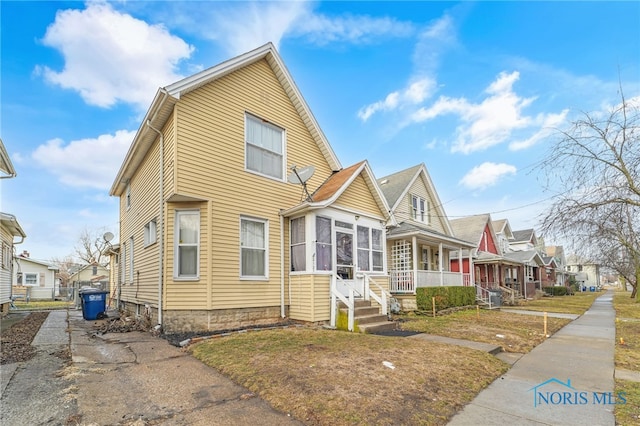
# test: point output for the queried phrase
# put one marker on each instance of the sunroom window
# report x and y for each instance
(298, 252)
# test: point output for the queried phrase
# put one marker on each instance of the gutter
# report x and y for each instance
(282, 310)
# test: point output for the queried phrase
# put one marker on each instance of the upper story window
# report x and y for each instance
(187, 244)
(128, 195)
(264, 148)
(419, 209)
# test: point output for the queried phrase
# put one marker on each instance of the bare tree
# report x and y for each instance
(92, 247)
(65, 268)
(593, 168)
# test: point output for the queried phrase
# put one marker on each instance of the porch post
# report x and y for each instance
(472, 269)
(460, 266)
(414, 257)
(440, 256)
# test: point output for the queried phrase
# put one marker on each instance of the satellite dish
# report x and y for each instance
(108, 236)
(300, 176)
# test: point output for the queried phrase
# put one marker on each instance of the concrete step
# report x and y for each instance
(359, 303)
(369, 319)
(377, 327)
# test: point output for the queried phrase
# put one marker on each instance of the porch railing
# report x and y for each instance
(406, 282)
(383, 299)
(349, 302)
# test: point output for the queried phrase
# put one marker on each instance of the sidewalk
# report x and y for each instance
(560, 382)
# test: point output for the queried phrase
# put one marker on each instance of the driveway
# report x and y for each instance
(121, 379)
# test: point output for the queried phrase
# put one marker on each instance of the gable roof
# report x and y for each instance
(524, 235)
(396, 186)
(501, 226)
(167, 97)
(526, 256)
(337, 184)
(471, 228)
(37, 262)
(406, 229)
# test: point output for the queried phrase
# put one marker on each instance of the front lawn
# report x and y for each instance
(36, 305)
(324, 377)
(570, 304)
(514, 332)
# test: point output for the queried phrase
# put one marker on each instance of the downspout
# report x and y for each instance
(160, 217)
(282, 313)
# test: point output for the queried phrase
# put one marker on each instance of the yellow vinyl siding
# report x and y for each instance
(210, 159)
(310, 298)
(403, 212)
(358, 197)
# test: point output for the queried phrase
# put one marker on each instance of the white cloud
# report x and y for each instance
(88, 163)
(549, 124)
(487, 174)
(110, 56)
(415, 93)
(491, 121)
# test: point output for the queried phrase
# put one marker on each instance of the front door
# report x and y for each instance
(344, 263)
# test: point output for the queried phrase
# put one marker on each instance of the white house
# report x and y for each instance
(40, 276)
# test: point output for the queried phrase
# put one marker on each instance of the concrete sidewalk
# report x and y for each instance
(566, 380)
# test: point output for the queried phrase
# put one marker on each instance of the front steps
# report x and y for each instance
(368, 317)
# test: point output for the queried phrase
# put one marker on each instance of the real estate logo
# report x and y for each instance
(556, 392)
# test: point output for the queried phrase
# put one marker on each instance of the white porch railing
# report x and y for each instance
(383, 299)
(483, 295)
(406, 282)
(350, 302)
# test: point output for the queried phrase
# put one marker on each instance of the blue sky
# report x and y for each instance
(472, 89)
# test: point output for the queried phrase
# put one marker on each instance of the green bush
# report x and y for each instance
(555, 291)
(446, 297)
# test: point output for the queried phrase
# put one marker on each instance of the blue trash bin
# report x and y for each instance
(94, 303)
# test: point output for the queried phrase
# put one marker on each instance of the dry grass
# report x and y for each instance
(327, 377)
(628, 414)
(625, 306)
(36, 305)
(521, 333)
(575, 304)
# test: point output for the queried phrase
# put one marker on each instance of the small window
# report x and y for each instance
(150, 233)
(128, 195)
(30, 279)
(264, 148)
(187, 244)
(298, 250)
(253, 248)
(19, 278)
(94, 270)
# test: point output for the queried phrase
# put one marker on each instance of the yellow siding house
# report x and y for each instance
(234, 209)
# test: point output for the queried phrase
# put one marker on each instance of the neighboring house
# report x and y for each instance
(218, 226)
(9, 230)
(587, 272)
(423, 246)
(549, 275)
(491, 269)
(40, 276)
(94, 275)
(557, 252)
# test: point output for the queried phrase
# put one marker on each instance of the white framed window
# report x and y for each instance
(370, 249)
(128, 195)
(298, 245)
(324, 253)
(30, 278)
(264, 148)
(419, 209)
(253, 248)
(6, 256)
(150, 232)
(187, 244)
(131, 260)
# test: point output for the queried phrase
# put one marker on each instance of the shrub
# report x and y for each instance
(555, 291)
(446, 297)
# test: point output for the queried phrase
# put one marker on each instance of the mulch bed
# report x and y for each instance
(16, 341)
